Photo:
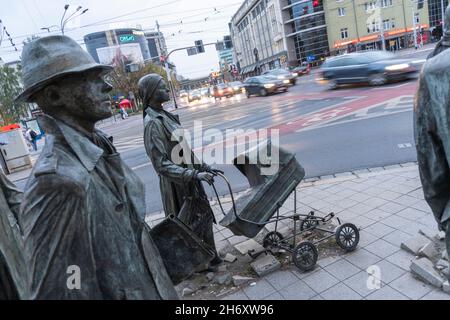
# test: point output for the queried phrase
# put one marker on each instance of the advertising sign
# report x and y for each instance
(129, 53)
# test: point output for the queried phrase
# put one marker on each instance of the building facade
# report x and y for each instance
(127, 46)
(435, 16)
(225, 58)
(258, 38)
(156, 45)
(354, 25)
(305, 29)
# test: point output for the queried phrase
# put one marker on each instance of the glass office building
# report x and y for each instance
(309, 29)
(435, 12)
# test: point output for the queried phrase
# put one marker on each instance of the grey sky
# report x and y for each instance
(182, 21)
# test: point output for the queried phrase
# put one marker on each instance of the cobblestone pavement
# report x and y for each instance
(386, 204)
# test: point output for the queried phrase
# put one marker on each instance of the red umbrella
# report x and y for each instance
(125, 103)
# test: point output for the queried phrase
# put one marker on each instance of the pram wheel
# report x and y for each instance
(347, 236)
(308, 223)
(305, 256)
(272, 239)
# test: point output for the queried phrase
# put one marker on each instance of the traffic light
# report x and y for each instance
(199, 46)
(227, 41)
(420, 4)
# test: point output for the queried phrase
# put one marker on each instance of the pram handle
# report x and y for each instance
(231, 194)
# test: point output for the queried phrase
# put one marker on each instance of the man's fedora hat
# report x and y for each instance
(47, 59)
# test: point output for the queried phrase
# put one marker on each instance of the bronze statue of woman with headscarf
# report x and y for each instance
(179, 180)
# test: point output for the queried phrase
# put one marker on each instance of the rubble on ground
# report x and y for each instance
(265, 264)
(431, 263)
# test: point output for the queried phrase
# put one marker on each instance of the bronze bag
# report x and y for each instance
(182, 251)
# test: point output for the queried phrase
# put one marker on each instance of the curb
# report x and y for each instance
(313, 181)
(360, 172)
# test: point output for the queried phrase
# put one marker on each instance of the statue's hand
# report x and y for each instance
(214, 171)
(206, 176)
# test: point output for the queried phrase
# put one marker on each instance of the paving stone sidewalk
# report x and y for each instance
(387, 205)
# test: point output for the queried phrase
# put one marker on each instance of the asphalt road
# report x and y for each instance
(329, 131)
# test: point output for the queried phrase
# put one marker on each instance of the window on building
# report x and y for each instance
(373, 27)
(386, 3)
(341, 12)
(417, 17)
(344, 33)
(393, 23)
(369, 6)
(386, 24)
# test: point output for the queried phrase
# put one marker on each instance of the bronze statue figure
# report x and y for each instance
(444, 43)
(178, 181)
(82, 215)
(432, 136)
(13, 276)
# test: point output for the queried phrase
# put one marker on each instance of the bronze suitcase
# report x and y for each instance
(180, 248)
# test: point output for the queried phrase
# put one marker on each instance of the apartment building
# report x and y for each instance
(362, 24)
(271, 34)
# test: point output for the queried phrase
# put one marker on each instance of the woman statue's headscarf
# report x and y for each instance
(147, 86)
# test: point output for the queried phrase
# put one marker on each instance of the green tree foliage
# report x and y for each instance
(123, 82)
(10, 87)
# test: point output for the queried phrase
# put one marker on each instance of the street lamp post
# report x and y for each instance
(383, 41)
(71, 17)
(62, 19)
(442, 16)
(414, 26)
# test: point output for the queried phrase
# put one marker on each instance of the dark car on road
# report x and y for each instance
(237, 86)
(263, 86)
(375, 68)
(284, 75)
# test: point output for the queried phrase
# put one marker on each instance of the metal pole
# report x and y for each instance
(166, 66)
(442, 16)
(169, 78)
(383, 42)
(414, 27)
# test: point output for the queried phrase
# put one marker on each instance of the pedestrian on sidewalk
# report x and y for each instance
(123, 114)
(83, 209)
(180, 179)
(31, 136)
(432, 136)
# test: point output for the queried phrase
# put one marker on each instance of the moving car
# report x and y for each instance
(222, 90)
(194, 95)
(301, 70)
(183, 94)
(262, 85)
(205, 92)
(375, 68)
(237, 86)
(281, 74)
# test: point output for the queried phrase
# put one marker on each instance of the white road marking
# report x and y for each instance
(404, 145)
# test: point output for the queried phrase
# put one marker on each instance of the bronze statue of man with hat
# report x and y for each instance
(82, 215)
(432, 136)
